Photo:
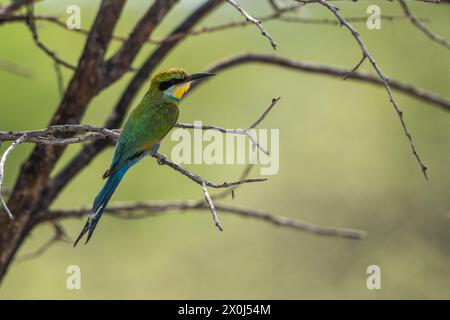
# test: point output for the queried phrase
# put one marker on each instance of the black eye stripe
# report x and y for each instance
(167, 84)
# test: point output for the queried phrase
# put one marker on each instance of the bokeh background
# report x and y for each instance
(344, 161)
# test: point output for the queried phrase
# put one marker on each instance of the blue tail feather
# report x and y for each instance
(101, 201)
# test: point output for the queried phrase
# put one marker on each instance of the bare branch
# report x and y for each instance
(59, 79)
(31, 25)
(211, 206)
(245, 132)
(334, 22)
(276, 5)
(16, 69)
(256, 22)
(277, 16)
(2, 170)
(162, 160)
(47, 136)
(14, 6)
(415, 21)
(382, 77)
(121, 61)
(59, 235)
(139, 210)
(232, 190)
(308, 67)
(349, 74)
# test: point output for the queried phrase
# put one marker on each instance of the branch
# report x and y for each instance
(276, 5)
(278, 16)
(308, 67)
(256, 22)
(121, 61)
(324, 21)
(382, 77)
(205, 183)
(211, 206)
(162, 160)
(59, 235)
(16, 69)
(47, 136)
(32, 27)
(2, 170)
(139, 210)
(245, 132)
(415, 21)
(14, 6)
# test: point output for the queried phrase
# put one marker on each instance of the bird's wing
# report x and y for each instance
(140, 134)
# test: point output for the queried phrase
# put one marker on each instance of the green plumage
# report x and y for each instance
(146, 126)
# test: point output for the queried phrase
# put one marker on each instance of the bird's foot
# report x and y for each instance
(160, 158)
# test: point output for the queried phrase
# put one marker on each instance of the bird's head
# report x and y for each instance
(174, 83)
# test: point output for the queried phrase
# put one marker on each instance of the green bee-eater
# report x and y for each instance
(146, 126)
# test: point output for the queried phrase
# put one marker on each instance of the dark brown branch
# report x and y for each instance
(410, 90)
(14, 6)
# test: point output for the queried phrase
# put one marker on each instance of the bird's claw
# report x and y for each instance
(160, 158)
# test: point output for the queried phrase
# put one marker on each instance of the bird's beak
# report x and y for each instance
(198, 76)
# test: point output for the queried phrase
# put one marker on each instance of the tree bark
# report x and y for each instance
(35, 172)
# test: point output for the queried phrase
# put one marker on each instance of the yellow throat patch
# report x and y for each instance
(180, 90)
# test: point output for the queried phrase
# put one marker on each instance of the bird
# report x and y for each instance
(142, 133)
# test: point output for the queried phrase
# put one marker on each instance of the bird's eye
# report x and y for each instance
(167, 84)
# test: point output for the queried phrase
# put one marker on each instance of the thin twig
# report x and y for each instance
(59, 235)
(277, 16)
(246, 132)
(232, 190)
(415, 21)
(32, 26)
(334, 22)
(256, 22)
(162, 160)
(349, 74)
(380, 74)
(140, 210)
(2, 170)
(309, 67)
(59, 79)
(16, 69)
(211, 206)
(14, 6)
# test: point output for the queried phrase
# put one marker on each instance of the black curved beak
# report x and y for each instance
(198, 76)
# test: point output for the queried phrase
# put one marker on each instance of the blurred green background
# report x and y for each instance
(344, 161)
